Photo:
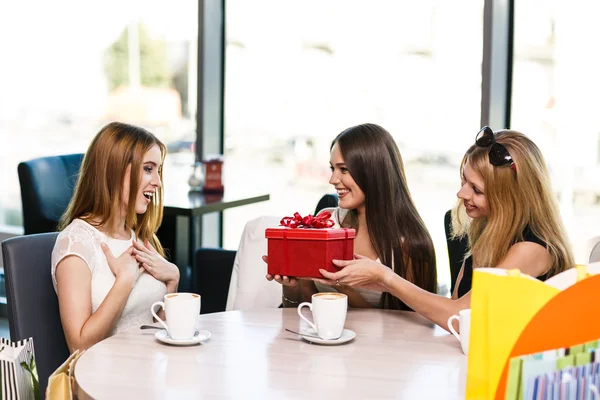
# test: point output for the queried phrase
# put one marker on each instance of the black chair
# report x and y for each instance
(213, 277)
(32, 302)
(214, 267)
(457, 248)
(47, 185)
(327, 201)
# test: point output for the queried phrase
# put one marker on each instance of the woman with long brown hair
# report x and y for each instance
(508, 212)
(368, 175)
(108, 266)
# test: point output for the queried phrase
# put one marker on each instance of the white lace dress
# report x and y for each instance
(83, 240)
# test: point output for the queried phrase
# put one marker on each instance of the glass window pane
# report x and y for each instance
(555, 95)
(295, 81)
(76, 66)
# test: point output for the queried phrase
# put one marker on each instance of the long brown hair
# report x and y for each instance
(396, 229)
(99, 189)
(517, 201)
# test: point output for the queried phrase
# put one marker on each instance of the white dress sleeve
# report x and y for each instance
(76, 240)
(248, 288)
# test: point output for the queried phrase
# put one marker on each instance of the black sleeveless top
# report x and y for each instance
(467, 278)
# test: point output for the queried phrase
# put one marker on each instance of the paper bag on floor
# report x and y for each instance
(18, 373)
(60, 383)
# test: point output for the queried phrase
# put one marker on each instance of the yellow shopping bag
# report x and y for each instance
(513, 314)
(60, 383)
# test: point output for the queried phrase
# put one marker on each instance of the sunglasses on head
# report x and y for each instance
(498, 154)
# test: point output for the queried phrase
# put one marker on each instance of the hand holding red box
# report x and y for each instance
(303, 245)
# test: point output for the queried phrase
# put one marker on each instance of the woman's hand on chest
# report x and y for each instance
(125, 267)
(155, 264)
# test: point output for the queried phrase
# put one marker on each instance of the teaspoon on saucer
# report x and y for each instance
(151, 327)
(302, 334)
(196, 332)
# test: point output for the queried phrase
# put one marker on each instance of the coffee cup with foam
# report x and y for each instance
(329, 314)
(181, 312)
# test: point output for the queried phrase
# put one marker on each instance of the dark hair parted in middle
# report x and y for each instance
(395, 228)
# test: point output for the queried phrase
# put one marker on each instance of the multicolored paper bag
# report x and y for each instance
(513, 314)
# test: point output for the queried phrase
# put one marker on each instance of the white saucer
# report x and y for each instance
(164, 337)
(347, 335)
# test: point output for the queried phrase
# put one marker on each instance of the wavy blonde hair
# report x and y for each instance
(516, 201)
(99, 190)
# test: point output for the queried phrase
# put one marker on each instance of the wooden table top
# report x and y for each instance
(395, 355)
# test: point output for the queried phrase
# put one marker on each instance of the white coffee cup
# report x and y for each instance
(181, 312)
(329, 314)
(464, 325)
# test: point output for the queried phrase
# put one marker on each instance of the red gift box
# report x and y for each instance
(301, 252)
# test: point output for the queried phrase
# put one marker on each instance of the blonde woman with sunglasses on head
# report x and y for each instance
(507, 210)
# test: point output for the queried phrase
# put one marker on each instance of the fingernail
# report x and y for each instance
(103, 244)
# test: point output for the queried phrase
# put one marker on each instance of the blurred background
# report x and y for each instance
(296, 74)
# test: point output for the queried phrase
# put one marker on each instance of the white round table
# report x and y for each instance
(249, 355)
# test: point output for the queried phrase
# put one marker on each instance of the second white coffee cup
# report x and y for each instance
(181, 312)
(329, 314)
(464, 325)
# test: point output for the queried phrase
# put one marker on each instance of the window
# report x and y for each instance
(71, 67)
(554, 101)
(295, 81)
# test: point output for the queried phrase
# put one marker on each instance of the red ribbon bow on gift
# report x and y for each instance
(320, 221)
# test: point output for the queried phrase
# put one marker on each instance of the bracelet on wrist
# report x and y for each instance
(289, 300)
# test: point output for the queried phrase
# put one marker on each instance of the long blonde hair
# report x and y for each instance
(99, 189)
(517, 200)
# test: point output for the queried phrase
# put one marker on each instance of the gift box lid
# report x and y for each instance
(310, 233)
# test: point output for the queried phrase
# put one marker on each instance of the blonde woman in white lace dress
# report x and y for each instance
(108, 266)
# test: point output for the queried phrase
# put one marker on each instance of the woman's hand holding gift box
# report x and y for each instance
(304, 245)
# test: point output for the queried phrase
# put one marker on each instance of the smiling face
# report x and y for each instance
(149, 181)
(350, 195)
(472, 193)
